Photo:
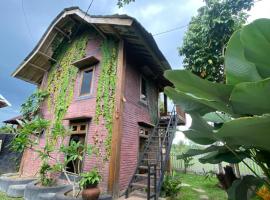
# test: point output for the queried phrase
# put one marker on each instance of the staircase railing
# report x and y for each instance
(168, 138)
(142, 157)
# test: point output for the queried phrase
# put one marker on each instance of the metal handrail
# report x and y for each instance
(142, 156)
(169, 138)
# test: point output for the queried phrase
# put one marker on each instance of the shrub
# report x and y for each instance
(171, 185)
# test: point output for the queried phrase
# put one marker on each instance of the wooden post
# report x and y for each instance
(165, 104)
(114, 168)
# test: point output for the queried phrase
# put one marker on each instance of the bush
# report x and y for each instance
(171, 185)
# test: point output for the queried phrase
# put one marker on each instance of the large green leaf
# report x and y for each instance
(200, 131)
(212, 94)
(251, 98)
(195, 152)
(222, 155)
(217, 117)
(255, 38)
(216, 154)
(249, 131)
(187, 103)
(239, 189)
(237, 68)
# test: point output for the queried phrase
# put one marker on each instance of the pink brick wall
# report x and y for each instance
(134, 112)
(79, 107)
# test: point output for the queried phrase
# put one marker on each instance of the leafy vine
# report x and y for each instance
(105, 98)
(63, 75)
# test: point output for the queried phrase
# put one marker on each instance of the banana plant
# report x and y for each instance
(235, 114)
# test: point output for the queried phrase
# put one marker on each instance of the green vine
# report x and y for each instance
(63, 75)
(105, 98)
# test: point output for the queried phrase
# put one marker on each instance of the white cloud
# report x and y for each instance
(260, 10)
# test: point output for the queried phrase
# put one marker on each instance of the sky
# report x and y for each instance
(24, 21)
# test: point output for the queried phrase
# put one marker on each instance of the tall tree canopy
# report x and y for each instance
(121, 3)
(208, 33)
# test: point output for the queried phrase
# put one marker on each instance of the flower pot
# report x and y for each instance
(91, 193)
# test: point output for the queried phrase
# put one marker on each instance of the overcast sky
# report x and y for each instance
(17, 38)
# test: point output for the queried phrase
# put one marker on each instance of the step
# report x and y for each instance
(141, 185)
(146, 167)
(145, 176)
(16, 190)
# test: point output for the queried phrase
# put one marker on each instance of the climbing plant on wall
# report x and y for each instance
(105, 98)
(63, 75)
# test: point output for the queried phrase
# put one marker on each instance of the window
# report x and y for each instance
(143, 95)
(86, 82)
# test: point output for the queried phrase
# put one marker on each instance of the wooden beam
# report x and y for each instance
(117, 129)
(62, 32)
(45, 55)
(165, 104)
(37, 67)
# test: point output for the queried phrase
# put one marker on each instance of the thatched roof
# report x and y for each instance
(139, 41)
(3, 102)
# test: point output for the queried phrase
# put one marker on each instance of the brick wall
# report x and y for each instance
(134, 111)
(79, 107)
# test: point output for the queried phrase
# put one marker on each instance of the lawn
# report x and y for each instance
(199, 182)
(4, 197)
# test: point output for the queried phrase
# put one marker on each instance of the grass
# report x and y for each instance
(196, 181)
(4, 197)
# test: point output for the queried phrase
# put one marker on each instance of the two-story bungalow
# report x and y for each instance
(136, 116)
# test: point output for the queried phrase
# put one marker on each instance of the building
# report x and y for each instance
(140, 68)
(3, 102)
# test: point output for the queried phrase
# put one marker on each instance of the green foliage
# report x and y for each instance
(23, 139)
(121, 3)
(187, 163)
(209, 175)
(91, 178)
(74, 152)
(241, 189)
(208, 33)
(43, 172)
(7, 128)
(243, 104)
(62, 77)
(31, 107)
(171, 185)
(105, 98)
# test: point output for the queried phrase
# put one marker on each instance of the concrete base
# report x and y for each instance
(61, 196)
(34, 192)
(16, 190)
(7, 180)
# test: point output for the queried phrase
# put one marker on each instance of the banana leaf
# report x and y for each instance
(255, 38)
(237, 68)
(251, 98)
(249, 131)
(214, 95)
(244, 188)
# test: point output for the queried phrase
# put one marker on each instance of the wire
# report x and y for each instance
(26, 22)
(170, 30)
(88, 8)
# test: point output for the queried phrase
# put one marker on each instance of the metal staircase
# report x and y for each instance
(153, 162)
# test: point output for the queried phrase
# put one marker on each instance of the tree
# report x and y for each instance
(208, 33)
(233, 119)
(121, 3)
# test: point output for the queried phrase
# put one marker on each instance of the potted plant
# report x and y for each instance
(89, 184)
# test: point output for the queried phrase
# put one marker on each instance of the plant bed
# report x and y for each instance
(6, 180)
(34, 191)
(66, 194)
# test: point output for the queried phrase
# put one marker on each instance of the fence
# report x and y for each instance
(200, 168)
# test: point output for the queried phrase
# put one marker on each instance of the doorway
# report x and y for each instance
(78, 136)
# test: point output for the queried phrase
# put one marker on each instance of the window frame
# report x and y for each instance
(146, 96)
(81, 81)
